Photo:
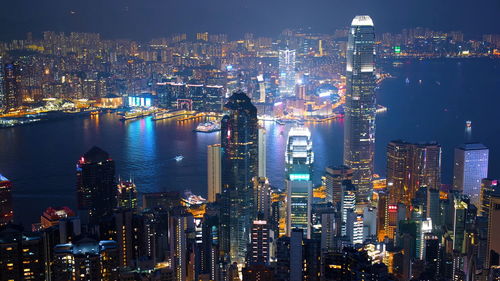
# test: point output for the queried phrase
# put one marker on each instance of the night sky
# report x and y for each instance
(144, 19)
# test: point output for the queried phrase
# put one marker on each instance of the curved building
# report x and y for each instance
(360, 107)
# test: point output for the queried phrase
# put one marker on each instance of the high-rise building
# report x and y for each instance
(298, 160)
(360, 106)
(410, 166)
(127, 195)
(296, 254)
(334, 176)
(21, 255)
(214, 171)
(6, 211)
(239, 165)
(179, 224)
(471, 166)
(11, 86)
(96, 187)
(493, 244)
(259, 252)
(262, 198)
(488, 187)
(286, 63)
(262, 152)
(86, 259)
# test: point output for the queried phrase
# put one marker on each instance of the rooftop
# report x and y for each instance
(363, 20)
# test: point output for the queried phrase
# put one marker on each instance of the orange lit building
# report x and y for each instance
(52, 216)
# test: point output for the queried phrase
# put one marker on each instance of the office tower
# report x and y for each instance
(96, 187)
(262, 88)
(179, 224)
(459, 216)
(126, 236)
(209, 254)
(239, 144)
(262, 152)
(410, 166)
(259, 251)
(359, 125)
(127, 195)
(330, 229)
(300, 91)
(86, 259)
(312, 259)
(286, 63)
(51, 216)
(347, 203)
(493, 244)
(431, 255)
(471, 166)
(334, 176)
(11, 86)
(21, 254)
(298, 160)
(214, 171)
(6, 211)
(354, 227)
(262, 198)
(296, 254)
(488, 187)
(433, 208)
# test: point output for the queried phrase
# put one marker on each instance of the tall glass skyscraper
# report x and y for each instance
(471, 166)
(299, 158)
(359, 125)
(239, 144)
(286, 63)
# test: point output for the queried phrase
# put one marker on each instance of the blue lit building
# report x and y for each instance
(298, 159)
(471, 166)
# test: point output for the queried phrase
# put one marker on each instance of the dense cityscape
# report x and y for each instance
(353, 225)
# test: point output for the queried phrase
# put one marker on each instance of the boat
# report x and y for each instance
(407, 80)
(207, 127)
(179, 158)
(468, 124)
(279, 122)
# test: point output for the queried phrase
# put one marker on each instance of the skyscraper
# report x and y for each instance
(262, 198)
(262, 152)
(239, 144)
(471, 166)
(12, 93)
(334, 176)
(214, 171)
(359, 125)
(96, 187)
(127, 195)
(493, 246)
(410, 166)
(286, 61)
(260, 243)
(6, 211)
(298, 160)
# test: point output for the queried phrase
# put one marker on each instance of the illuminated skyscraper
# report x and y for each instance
(11, 92)
(262, 152)
(6, 211)
(359, 125)
(334, 176)
(260, 243)
(214, 171)
(410, 166)
(286, 61)
(471, 166)
(239, 144)
(493, 246)
(488, 187)
(127, 195)
(96, 187)
(262, 198)
(298, 159)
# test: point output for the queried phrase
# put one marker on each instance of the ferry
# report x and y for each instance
(468, 124)
(179, 158)
(207, 127)
(380, 108)
(165, 114)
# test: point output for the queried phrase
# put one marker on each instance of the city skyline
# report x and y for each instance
(276, 134)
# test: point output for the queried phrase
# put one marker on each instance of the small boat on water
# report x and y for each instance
(407, 80)
(179, 158)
